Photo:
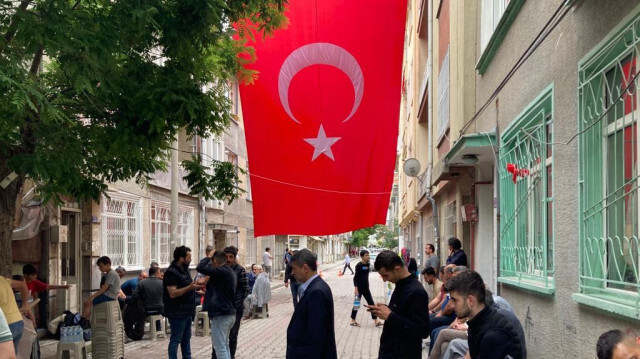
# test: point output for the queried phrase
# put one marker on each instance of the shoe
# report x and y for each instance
(379, 324)
(354, 324)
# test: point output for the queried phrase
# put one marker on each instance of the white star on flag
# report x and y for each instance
(322, 144)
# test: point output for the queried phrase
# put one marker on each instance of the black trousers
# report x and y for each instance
(233, 336)
(347, 265)
(366, 293)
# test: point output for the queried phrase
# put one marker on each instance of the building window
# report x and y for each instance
(161, 246)
(492, 11)
(526, 198)
(213, 150)
(121, 231)
(443, 98)
(232, 157)
(609, 152)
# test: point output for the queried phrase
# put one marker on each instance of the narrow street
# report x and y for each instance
(266, 338)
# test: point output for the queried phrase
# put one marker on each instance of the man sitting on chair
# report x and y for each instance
(150, 292)
(261, 294)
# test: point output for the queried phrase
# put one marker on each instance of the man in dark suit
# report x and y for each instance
(311, 330)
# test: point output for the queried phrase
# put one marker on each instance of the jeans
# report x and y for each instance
(16, 328)
(233, 337)
(220, 329)
(101, 299)
(294, 292)
(180, 335)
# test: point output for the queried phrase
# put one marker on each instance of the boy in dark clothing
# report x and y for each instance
(361, 285)
(491, 333)
(220, 300)
(407, 315)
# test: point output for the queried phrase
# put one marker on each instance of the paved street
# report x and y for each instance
(266, 338)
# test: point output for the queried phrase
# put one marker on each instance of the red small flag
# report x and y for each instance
(322, 118)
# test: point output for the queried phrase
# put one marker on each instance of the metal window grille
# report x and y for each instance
(121, 231)
(443, 97)
(526, 202)
(161, 246)
(609, 152)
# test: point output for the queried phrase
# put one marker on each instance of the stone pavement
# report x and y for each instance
(266, 338)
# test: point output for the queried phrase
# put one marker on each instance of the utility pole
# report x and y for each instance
(175, 185)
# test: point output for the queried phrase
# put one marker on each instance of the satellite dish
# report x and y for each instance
(411, 167)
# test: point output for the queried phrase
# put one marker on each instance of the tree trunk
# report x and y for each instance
(8, 198)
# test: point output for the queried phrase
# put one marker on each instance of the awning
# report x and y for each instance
(317, 238)
(468, 151)
(31, 219)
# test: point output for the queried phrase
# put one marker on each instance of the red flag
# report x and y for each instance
(322, 118)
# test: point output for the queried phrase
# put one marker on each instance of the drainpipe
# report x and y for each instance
(175, 185)
(496, 210)
(436, 223)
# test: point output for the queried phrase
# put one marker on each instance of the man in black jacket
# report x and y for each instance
(150, 292)
(220, 294)
(361, 287)
(290, 279)
(242, 291)
(492, 333)
(407, 315)
(311, 331)
(179, 302)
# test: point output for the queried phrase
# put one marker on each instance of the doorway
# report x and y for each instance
(70, 261)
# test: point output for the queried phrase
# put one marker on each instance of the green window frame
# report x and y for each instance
(609, 158)
(526, 206)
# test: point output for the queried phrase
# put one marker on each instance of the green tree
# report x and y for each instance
(360, 237)
(386, 237)
(94, 91)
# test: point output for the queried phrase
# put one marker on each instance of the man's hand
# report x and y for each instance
(26, 311)
(286, 284)
(355, 290)
(379, 310)
(196, 285)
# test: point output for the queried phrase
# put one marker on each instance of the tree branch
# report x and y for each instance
(13, 26)
(37, 60)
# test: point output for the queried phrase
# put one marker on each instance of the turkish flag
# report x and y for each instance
(321, 120)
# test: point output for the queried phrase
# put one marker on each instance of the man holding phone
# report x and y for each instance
(407, 315)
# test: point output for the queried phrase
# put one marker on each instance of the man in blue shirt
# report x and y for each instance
(130, 285)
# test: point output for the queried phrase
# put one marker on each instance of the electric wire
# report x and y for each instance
(293, 184)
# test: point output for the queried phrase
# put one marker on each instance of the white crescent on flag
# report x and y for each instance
(320, 53)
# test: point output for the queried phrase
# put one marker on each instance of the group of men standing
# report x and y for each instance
(492, 330)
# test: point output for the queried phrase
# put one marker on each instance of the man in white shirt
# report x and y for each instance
(267, 260)
(347, 263)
